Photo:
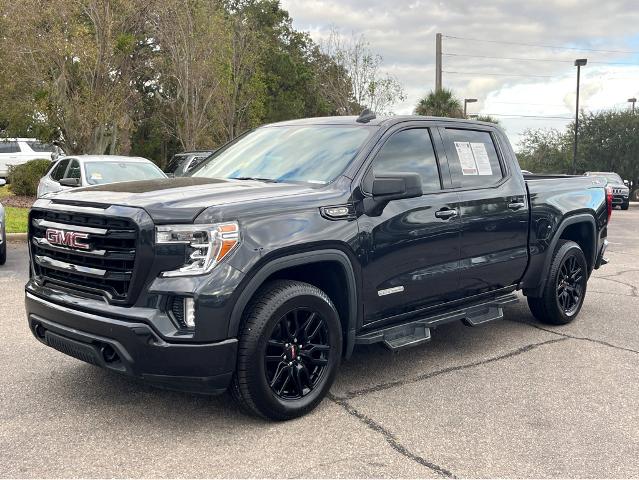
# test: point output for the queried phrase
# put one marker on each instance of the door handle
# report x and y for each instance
(446, 213)
(516, 205)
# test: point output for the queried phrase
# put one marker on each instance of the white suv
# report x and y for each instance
(15, 151)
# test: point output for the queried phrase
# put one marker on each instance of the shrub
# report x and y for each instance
(24, 178)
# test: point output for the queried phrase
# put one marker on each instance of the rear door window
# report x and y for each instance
(473, 158)
(40, 147)
(9, 147)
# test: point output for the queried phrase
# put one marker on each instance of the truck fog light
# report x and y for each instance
(189, 312)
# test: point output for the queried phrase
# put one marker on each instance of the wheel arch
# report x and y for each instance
(300, 266)
(575, 228)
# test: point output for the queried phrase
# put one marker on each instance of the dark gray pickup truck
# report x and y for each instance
(265, 267)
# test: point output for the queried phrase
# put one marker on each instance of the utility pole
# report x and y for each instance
(438, 62)
(580, 62)
(633, 101)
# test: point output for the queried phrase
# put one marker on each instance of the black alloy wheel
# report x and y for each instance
(289, 350)
(565, 289)
(570, 285)
(297, 353)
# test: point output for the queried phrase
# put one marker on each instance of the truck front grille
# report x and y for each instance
(100, 262)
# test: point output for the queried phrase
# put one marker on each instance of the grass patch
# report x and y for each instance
(5, 192)
(17, 219)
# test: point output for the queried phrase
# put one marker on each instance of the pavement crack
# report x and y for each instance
(590, 290)
(618, 273)
(390, 438)
(633, 289)
(575, 337)
(426, 376)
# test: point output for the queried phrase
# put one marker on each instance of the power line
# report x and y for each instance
(497, 74)
(521, 116)
(527, 103)
(629, 52)
(534, 59)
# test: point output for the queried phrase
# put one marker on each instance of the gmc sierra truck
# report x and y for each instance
(263, 269)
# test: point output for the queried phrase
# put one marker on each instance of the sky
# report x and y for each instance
(529, 86)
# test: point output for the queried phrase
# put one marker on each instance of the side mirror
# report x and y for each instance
(626, 182)
(70, 182)
(391, 186)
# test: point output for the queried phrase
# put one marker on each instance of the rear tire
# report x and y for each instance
(289, 352)
(565, 288)
(3, 248)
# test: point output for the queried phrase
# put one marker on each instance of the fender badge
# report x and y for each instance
(389, 291)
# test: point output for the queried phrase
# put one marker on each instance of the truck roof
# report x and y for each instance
(380, 120)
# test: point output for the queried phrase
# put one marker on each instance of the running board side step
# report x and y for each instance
(417, 332)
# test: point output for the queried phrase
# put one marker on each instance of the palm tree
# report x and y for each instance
(441, 103)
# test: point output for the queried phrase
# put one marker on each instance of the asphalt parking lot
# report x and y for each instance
(508, 399)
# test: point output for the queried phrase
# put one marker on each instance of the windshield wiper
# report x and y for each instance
(267, 180)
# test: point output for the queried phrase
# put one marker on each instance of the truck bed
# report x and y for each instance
(554, 199)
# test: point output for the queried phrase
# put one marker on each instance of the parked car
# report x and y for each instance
(182, 163)
(86, 170)
(620, 191)
(262, 270)
(16, 151)
(3, 230)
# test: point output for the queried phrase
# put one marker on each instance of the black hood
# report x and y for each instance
(179, 199)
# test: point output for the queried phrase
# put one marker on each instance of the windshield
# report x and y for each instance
(307, 153)
(98, 173)
(611, 177)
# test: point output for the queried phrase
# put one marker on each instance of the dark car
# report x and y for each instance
(620, 191)
(183, 163)
(294, 243)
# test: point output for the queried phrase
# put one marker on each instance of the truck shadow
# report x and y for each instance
(102, 393)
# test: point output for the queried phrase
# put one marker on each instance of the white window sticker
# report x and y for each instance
(466, 158)
(481, 159)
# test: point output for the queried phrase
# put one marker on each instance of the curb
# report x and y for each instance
(16, 237)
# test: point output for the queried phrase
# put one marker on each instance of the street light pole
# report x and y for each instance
(438, 62)
(632, 100)
(580, 62)
(466, 102)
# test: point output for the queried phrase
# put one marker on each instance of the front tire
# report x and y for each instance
(289, 351)
(565, 289)
(625, 206)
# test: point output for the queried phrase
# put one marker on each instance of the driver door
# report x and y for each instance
(413, 246)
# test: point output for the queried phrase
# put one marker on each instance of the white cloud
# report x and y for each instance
(403, 32)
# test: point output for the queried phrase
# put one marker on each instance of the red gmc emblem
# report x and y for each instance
(67, 239)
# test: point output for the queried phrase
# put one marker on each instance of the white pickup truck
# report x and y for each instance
(16, 151)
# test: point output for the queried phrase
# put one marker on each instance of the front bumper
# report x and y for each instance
(618, 199)
(132, 348)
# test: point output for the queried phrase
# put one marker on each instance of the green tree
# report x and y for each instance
(609, 141)
(441, 103)
(487, 118)
(75, 62)
(545, 151)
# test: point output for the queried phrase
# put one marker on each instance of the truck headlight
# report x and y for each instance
(207, 245)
